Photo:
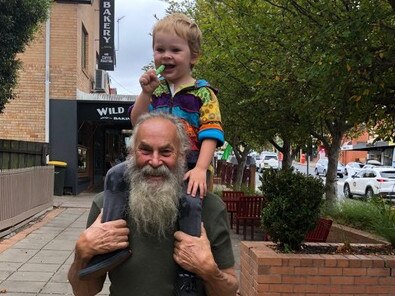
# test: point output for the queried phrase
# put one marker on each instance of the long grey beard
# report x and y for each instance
(154, 206)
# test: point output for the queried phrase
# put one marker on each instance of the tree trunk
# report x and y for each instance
(287, 157)
(331, 177)
(241, 163)
(392, 3)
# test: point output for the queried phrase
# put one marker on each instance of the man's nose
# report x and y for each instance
(156, 160)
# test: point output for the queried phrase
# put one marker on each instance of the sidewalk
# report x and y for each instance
(36, 260)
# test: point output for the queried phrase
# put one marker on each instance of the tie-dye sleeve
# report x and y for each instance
(210, 117)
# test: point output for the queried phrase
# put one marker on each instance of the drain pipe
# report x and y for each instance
(47, 81)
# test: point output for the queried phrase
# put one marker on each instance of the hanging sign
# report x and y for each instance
(107, 50)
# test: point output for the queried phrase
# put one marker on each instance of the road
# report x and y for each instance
(303, 169)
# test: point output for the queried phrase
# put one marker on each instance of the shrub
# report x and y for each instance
(354, 213)
(293, 208)
(375, 216)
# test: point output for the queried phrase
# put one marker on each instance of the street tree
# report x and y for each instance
(295, 69)
(315, 57)
(19, 20)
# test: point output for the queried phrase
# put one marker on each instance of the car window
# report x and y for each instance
(388, 174)
(369, 174)
(267, 157)
(359, 174)
(322, 161)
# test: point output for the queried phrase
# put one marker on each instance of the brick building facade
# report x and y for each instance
(55, 96)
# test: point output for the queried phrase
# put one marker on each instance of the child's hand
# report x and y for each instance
(197, 181)
(149, 81)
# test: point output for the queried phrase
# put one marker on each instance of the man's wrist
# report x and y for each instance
(210, 272)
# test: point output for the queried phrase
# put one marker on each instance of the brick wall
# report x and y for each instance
(266, 273)
(24, 117)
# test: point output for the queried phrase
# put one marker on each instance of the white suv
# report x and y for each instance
(371, 181)
(267, 160)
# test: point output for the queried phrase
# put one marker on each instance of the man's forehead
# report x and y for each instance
(157, 130)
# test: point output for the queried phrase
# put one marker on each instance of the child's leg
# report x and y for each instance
(190, 210)
(189, 221)
(116, 192)
(190, 214)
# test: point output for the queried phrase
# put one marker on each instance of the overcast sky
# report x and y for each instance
(134, 49)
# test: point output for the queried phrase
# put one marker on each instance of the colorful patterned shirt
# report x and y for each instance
(197, 105)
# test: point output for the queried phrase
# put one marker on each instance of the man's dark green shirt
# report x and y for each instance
(151, 270)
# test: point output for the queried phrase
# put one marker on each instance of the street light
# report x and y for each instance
(118, 19)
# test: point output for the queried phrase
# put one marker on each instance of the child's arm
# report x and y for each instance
(149, 82)
(197, 176)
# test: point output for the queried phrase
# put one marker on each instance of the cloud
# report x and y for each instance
(134, 45)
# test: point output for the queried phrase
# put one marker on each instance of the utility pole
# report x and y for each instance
(118, 19)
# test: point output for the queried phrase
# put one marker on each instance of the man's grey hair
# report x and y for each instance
(181, 132)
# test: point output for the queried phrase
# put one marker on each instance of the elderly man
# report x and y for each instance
(154, 173)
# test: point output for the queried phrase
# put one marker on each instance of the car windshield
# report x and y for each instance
(388, 174)
(270, 157)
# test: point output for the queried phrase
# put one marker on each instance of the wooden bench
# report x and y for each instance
(248, 213)
(230, 198)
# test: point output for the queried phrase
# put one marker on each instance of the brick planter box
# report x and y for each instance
(264, 272)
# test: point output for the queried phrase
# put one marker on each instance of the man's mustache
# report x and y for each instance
(161, 171)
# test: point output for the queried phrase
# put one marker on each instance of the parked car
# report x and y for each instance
(373, 162)
(371, 181)
(321, 168)
(267, 160)
(352, 168)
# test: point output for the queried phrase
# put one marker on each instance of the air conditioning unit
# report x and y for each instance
(101, 81)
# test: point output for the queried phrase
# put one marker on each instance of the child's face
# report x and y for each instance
(173, 52)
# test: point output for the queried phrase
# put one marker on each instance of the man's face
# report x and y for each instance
(156, 171)
(155, 148)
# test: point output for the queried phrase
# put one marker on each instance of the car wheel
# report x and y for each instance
(316, 172)
(369, 193)
(324, 173)
(347, 191)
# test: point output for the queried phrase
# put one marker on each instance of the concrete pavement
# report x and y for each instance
(35, 260)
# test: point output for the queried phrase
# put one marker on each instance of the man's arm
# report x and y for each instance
(99, 238)
(194, 254)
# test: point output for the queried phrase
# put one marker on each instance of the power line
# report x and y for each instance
(120, 84)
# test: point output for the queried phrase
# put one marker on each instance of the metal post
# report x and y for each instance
(118, 19)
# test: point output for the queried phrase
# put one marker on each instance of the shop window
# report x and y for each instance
(82, 160)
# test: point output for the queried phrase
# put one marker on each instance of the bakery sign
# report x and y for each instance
(103, 111)
(113, 113)
(107, 51)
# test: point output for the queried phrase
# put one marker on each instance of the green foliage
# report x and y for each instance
(290, 69)
(294, 202)
(375, 216)
(354, 213)
(19, 20)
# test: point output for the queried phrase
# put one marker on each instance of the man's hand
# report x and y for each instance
(102, 238)
(194, 253)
